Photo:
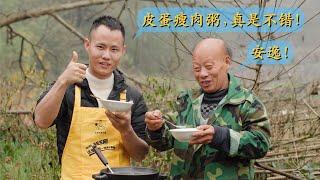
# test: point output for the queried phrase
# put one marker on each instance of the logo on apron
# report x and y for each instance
(102, 144)
(100, 127)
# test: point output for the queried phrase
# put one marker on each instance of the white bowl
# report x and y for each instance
(183, 134)
(116, 106)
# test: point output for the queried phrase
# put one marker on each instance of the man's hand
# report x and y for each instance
(135, 146)
(74, 73)
(120, 120)
(154, 120)
(204, 136)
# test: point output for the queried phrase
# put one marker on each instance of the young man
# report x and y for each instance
(233, 123)
(80, 121)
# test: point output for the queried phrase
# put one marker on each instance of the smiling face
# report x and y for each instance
(210, 65)
(105, 48)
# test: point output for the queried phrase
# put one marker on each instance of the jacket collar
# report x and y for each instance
(236, 94)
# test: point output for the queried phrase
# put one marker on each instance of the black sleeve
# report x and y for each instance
(63, 106)
(137, 118)
(221, 139)
(155, 135)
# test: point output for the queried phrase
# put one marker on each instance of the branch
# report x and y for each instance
(177, 54)
(229, 19)
(68, 26)
(39, 59)
(276, 171)
(312, 109)
(296, 140)
(25, 76)
(282, 170)
(266, 160)
(157, 36)
(48, 10)
(15, 33)
(313, 129)
(256, 84)
(271, 33)
(173, 1)
(286, 152)
(180, 6)
(175, 34)
(169, 44)
(289, 33)
(299, 61)
(244, 78)
(140, 84)
(171, 68)
(97, 12)
(23, 84)
(252, 68)
(20, 59)
(122, 8)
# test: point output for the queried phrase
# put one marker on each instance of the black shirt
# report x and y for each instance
(63, 120)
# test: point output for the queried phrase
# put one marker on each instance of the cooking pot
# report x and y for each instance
(124, 173)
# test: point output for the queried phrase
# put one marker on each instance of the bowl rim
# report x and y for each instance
(184, 130)
(115, 101)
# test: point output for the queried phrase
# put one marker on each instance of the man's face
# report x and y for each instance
(104, 48)
(210, 68)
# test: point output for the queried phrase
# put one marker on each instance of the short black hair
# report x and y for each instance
(110, 22)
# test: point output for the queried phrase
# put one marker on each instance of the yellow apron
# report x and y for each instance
(90, 126)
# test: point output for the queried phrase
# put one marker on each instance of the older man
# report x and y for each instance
(81, 122)
(233, 123)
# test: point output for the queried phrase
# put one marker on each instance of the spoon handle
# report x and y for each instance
(101, 157)
(169, 123)
(92, 95)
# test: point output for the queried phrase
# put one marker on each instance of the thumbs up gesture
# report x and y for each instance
(75, 72)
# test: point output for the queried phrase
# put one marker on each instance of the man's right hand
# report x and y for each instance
(74, 73)
(154, 120)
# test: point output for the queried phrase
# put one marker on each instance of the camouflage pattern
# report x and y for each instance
(246, 119)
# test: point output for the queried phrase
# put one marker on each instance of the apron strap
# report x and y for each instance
(123, 95)
(77, 96)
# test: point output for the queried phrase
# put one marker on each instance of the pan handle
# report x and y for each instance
(100, 177)
(100, 155)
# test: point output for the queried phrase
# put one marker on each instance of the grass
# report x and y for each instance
(26, 152)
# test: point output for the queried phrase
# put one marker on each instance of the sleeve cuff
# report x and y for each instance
(155, 135)
(234, 142)
(221, 139)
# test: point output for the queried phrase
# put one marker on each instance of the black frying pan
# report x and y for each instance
(124, 173)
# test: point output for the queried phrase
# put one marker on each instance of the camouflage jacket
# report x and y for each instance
(242, 135)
